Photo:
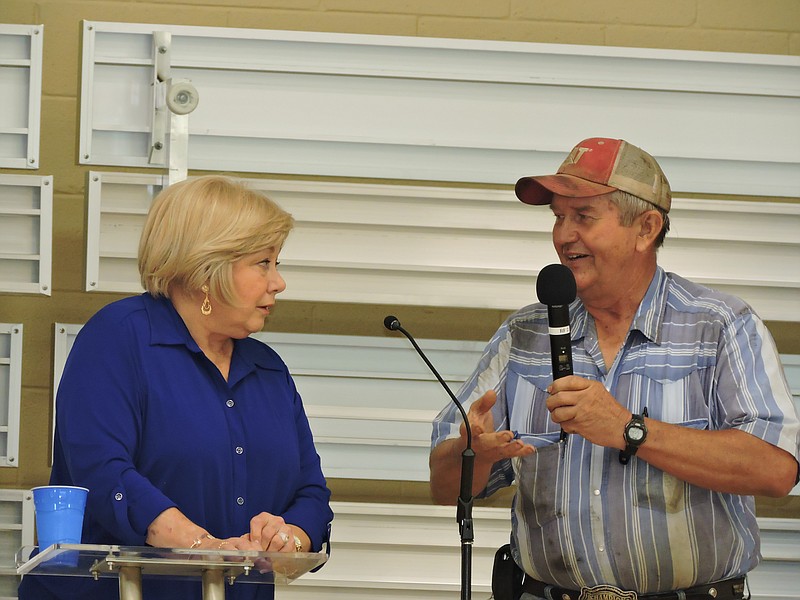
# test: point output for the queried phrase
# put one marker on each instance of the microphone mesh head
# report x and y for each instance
(556, 285)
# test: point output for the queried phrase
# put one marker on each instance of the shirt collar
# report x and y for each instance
(649, 316)
(167, 328)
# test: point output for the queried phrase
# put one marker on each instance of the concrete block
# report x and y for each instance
(678, 13)
(450, 8)
(794, 44)
(518, 31)
(334, 22)
(21, 12)
(753, 15)
(699, 39)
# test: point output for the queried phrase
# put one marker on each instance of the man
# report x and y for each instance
(677, 415)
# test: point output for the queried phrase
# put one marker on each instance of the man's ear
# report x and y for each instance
(650, 223)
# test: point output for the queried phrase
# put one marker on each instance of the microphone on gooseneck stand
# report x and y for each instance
(464, 510)
(555, 287)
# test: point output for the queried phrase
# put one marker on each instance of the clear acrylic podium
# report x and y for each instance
(214, 568)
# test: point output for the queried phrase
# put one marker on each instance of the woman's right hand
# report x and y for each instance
(173, 529)
(209, 542)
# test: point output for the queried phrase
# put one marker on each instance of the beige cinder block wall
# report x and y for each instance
(757, 26)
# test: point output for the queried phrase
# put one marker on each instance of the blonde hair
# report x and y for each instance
(197, 228)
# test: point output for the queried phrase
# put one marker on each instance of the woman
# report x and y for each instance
(188, 433)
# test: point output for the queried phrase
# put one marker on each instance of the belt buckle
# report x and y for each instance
(606, 592)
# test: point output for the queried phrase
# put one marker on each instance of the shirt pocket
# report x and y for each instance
(674, 396)
(538, 474)
(526, 396)
(659, 491)
(539, 478)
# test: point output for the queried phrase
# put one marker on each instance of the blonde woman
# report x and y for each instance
(187, 432)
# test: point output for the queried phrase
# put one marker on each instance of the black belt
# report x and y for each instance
(728, 589)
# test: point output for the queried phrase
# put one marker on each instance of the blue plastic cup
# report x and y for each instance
(59, 514)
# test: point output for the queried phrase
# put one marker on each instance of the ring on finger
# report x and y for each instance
(284, 536)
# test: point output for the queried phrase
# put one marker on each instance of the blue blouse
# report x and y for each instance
(147, 422)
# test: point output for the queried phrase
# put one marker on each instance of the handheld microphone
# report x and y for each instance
(555, 287)
(465, 500)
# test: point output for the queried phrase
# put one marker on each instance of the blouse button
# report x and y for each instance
(118, 496)
(239, 449)
(230, 403)
(240, 501)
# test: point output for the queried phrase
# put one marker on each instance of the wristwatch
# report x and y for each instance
(635, 434)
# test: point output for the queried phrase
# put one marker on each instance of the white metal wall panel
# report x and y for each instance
(26, 233)
(10, 390)
(16, 531)
(21, 91)
(442, 109)
(64, 337)
(453, 246)
(371, 400)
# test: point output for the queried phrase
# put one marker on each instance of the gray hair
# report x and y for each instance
(631, 206)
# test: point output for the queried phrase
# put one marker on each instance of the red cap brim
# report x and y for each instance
(540, 189)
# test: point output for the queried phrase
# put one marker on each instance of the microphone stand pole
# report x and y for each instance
(465, 498)
(464, 519)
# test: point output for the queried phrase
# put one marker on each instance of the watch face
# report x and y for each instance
(635, 434)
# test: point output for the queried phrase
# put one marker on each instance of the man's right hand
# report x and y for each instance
(489, 446)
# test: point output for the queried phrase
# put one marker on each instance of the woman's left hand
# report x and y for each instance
(272, 533)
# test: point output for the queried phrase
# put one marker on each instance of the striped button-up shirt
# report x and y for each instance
(694, 357)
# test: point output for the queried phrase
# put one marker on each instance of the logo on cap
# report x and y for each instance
(576, 154)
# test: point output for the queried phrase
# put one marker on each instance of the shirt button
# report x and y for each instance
(239, 449)
(597, 492)
(240, 501)
(230, 403)
(602, 549)
(118, 496)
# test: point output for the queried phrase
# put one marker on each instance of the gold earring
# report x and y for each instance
(205, 307)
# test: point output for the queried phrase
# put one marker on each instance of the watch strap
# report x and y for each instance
(630, 446)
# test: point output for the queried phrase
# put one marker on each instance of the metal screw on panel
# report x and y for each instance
(162, 49)
(158, 145)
